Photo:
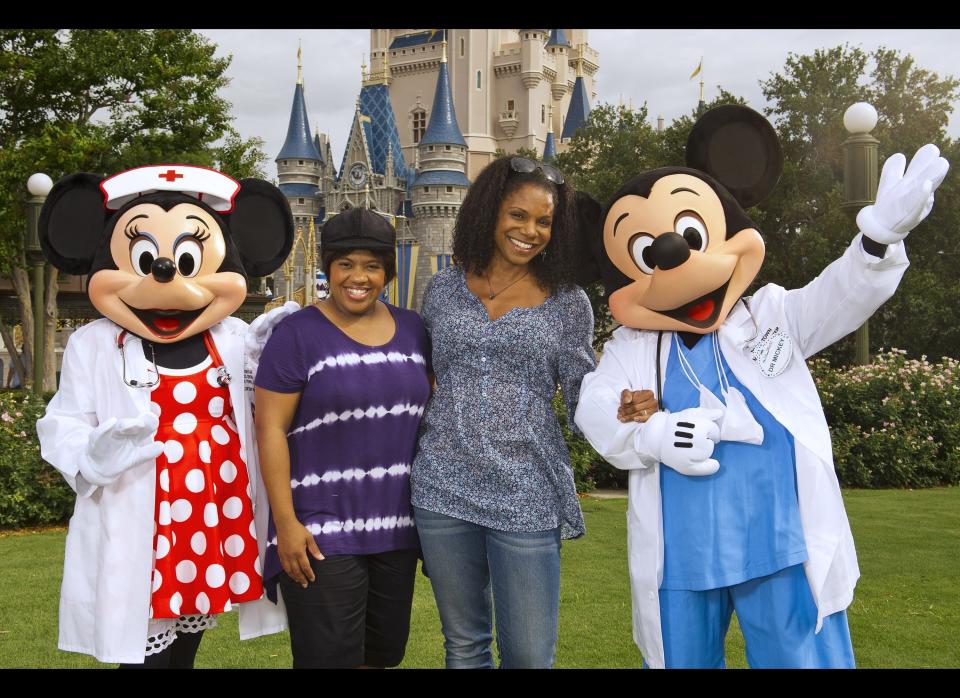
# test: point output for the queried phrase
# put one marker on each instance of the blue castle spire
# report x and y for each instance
(443, 127)
(579, 108)
(557, 38)
(549, 148)
(442, 130)
(299, 143)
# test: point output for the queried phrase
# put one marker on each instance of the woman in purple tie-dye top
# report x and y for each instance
(341, 388)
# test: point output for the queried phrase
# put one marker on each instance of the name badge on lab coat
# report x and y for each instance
(772, 352)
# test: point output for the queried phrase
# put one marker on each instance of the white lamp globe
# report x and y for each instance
(39, 184)
(860, 118)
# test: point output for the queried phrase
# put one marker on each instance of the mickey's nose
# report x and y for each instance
(163, 269)
(668, 251)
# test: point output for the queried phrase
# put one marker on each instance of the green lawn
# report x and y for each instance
(906, 612)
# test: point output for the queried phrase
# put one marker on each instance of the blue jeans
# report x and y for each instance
(475, 570)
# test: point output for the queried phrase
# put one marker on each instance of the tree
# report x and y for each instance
(241, 158)
(802, 222)
(521, 152)
(103, 101)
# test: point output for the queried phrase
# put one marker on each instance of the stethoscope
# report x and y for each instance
(223, 376)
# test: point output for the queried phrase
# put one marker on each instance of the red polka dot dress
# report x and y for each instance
(205, 544)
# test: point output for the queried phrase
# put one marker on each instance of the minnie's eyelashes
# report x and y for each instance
(200, 234)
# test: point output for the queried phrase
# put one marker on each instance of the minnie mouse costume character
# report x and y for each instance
(150, 421)
(747, 514)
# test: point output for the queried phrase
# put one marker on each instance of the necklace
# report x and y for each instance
(490, 286)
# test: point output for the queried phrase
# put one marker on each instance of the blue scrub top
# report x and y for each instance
(743, 521)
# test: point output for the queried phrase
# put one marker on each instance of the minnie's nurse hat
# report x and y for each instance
(209, 186)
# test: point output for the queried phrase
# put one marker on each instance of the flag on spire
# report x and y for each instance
(696, 72)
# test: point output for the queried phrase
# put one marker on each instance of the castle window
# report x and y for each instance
(426, 190)
(511, 105)
(429, 148)
(449, 190)
(478, 79)
(300, 200)
(543, 114)
(299, 162)
(419, 124)
(446, 147)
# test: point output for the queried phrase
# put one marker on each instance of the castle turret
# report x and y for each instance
(531, 56)
(559, 47)
(299, 170)
(441, 182)
(299, 161)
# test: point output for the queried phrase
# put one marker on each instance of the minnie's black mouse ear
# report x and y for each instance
(72, 221)
(739, 148)
(261, 225)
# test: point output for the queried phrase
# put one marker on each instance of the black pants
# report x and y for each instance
(179, 655)
(356, 612)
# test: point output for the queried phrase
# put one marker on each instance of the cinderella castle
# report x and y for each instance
(409, 157)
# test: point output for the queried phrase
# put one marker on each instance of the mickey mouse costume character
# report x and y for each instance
(150, 422)
(747, 515)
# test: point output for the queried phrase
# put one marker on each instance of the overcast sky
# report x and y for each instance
(642, 65)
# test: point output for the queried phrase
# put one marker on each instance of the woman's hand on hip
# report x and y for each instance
(293, 542)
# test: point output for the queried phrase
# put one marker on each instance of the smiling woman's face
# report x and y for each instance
(524, 224)
(356, 281)
(166, 286)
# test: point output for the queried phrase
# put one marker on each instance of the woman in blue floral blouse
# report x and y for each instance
(492, 484)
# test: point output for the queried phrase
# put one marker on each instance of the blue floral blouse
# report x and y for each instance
(491, 451)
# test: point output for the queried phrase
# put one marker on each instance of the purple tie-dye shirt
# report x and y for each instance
(354, 434)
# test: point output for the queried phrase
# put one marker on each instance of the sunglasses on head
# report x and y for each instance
(526, 166)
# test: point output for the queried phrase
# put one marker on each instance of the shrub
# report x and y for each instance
(31, 492)
(894, 422)
(582, 456)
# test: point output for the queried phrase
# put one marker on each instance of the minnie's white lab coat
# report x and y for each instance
(825, 310)
(105, 596)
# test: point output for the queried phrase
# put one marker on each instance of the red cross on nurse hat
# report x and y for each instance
(213, 188)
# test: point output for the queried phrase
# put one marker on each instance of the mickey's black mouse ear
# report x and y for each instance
(739, 148)
(589, 237)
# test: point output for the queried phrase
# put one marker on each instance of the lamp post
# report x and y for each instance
(39, 186)
(860, 180)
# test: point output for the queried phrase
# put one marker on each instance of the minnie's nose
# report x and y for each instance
(163, 269)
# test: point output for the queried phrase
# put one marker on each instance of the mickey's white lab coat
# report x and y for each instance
(825, 310)
(105, 596)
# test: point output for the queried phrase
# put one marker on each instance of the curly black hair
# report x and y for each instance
(473, 239)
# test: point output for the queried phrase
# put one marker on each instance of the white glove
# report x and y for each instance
(903, 199)
(118, 445)
(260, 329)
(682, 440)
